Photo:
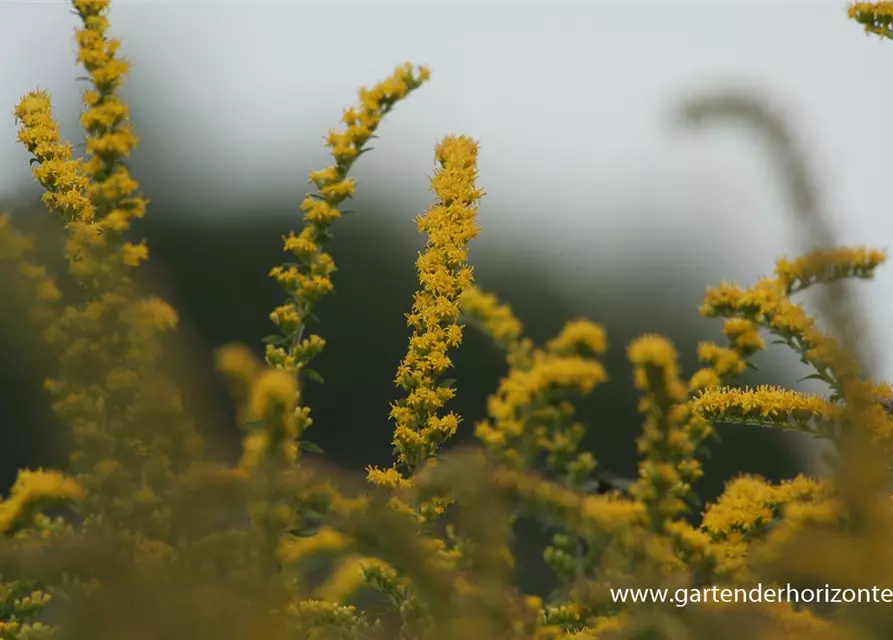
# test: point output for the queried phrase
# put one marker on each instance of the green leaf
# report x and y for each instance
(314, 376)
(310, 447)
(274, 340)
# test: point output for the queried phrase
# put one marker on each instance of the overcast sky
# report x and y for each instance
(571, 103)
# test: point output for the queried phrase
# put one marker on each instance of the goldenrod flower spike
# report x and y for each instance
(767, 304)
(747, 510)
(670, 438)
(66, 186)
(768, 406)
(876, 17)
(267, 400)
(531, 416)
(494, 318)
(310, 279)
(34, 488)
(497, 321)
(587, 516)
(522, 417)
(444, 274)
(725, 361)
(61, 176)
(22, 519)
(579, 337)
(315, 618)
(828, 265)
(326, 540)
(108, 383)
(106, 120)
(744, 336)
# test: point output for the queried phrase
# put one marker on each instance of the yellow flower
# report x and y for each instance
(826, 265)
(301, 246)
(767, 304)
(766, 405)
(497, 321)
(285, 316)
(237, 361)
(255, 448)
(108, 385)
(444, 275)
(654, 351)
(523, 388)
(61, 176)
(744, 335)
(726, 362)
(748, 509)
(338, 190)
(704, 379)
(389, 478)
(579, 337)
(310, 280)
(326, 540)
(344, 580)
(877, 17)
(36, 487)
(155, 313)
(585, 515)
(747, 502)
(133, 254)
(272, 390)
(671, 435)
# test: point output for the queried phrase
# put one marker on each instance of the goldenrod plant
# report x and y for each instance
(143, 536)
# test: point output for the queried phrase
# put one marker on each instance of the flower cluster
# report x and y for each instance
(877, 17)
(108, 338)
(828, 265)
(309, 279)
(149, 538)
(768, 305)
(444, 274)
(497, 321)
(767, 405)
(747, 510)
(526, 409)
(667, 442)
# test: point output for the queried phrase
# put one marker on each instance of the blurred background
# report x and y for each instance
(598, 203)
